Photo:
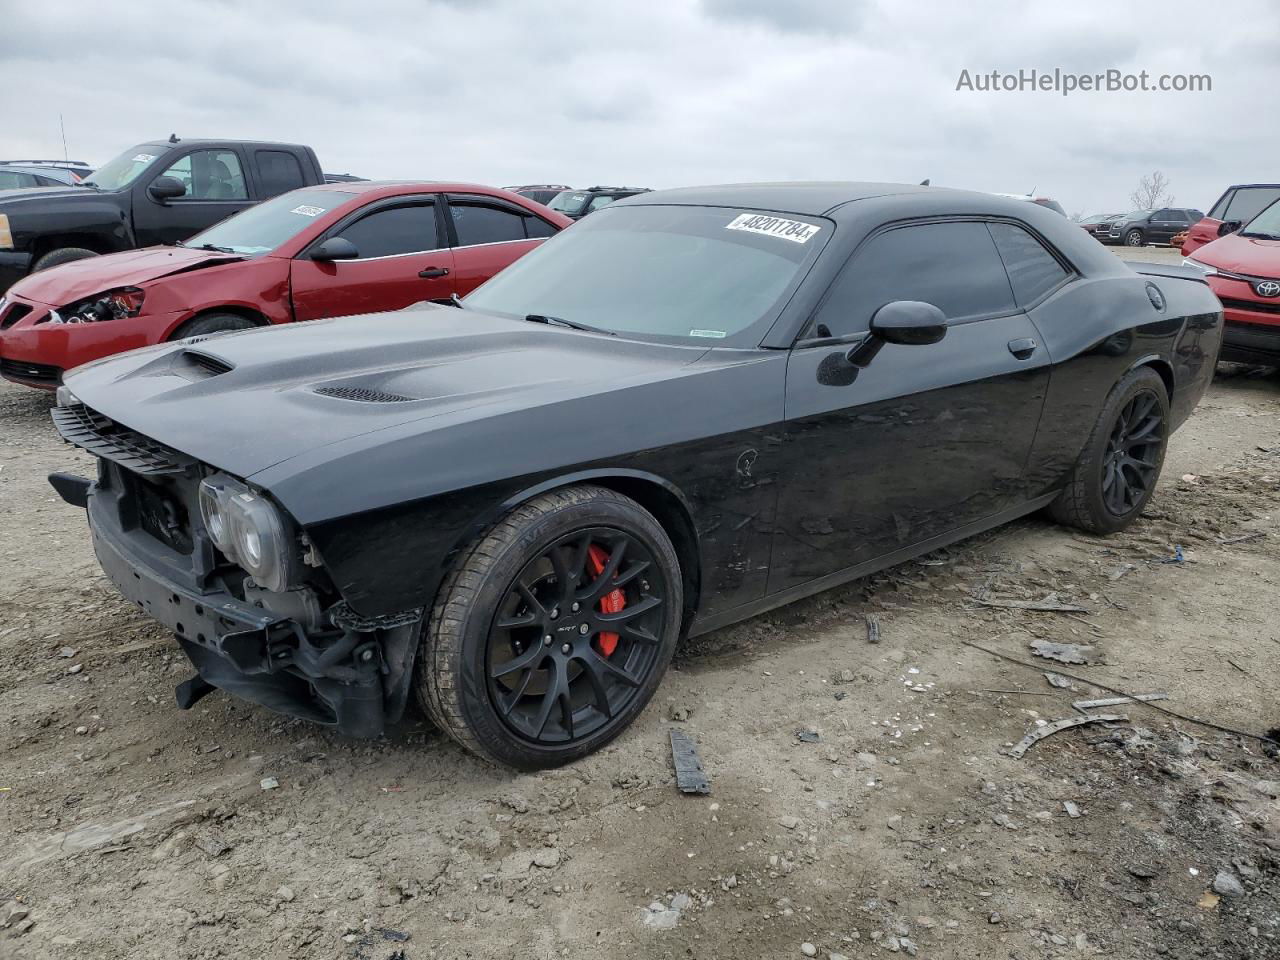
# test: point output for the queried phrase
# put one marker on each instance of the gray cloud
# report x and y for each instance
(696, 91)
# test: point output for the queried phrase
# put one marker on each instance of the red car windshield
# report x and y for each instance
(262, 228)
(1266, 225)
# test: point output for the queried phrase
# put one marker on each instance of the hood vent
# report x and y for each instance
(203, 366)
(362, 395)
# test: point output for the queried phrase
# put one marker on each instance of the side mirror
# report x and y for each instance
(909, 322)
(1229, 226)
(335, 248)
(164, 189)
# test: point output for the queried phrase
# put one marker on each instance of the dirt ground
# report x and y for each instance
(129, 829)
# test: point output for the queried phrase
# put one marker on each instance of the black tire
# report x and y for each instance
(55, 258)
(1134, 238)
(208, 324)
(1095, 498)
(494, 591)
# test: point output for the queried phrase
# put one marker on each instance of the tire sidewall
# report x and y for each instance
(211, 324)
(1133, 239)
(1142, 380)
(80, 253)
(478, 711)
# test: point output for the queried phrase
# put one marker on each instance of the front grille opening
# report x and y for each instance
(12, 315)
(1257, 306)
(27, 372)
(105, 438)
(362, 395)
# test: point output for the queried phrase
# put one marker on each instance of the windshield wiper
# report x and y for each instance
(1260, 236)
(561, 322)
(217, 249)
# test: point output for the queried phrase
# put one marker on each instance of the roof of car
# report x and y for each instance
(389, 187)
(812, 198)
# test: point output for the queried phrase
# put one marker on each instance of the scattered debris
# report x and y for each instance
(1057, 680)
(75, 668)
(808, 735)
(1121, 570)
(808, 949)
(1177, 557)
(690, 777)
(1072, 810)
(1208, 900)
(1141, 871)
(679, 714)
(212, 844)
(873, 629)
(1065, 652)
(1049, 604)
(1116, 701)
(1244, 538)
(269, 783)
(68, 652)
(1227, 884)
(1066, 723)
(789, 822)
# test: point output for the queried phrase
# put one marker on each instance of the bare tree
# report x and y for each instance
(1152, 192)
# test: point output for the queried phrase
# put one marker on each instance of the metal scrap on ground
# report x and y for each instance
(1065, 652)
(1116, 701)
(690, 777)
(1057, 680)
(1066, 723)
(873, 629)
(1048, 604)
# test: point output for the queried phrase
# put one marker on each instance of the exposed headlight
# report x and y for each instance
(1192, 262)
(249, 530)
(112, 305)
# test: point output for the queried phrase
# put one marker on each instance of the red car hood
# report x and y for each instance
(73, 281)
(1248, 255)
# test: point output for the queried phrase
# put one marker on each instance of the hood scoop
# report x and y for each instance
(201, 366)
(362, 395)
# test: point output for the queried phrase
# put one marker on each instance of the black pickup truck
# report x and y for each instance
(158, 192)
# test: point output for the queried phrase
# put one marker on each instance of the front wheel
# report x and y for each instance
(55, 258)
(553, 630)
(1120, 464)
(1134, 238)
(208, 324)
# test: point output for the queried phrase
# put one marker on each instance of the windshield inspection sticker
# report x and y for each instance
(713, 334)
(793, 230)
(308, 211)
(142, 158)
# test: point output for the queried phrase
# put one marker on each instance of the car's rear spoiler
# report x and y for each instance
(1174, 271)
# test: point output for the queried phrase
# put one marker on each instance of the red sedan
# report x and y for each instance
(327, 251)
(1244, 271)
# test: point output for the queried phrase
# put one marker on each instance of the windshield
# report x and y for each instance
(688, 273)
(1265, 225)
(124, 169)
(262, 228)
(570, 202)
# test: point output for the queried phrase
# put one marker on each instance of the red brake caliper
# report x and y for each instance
(613, 601)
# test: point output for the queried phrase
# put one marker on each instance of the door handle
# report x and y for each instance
(1023, 347)
(432, 272)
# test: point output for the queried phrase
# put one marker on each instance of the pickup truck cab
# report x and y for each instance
(153, 193)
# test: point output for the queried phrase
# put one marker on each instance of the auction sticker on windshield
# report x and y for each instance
(308, 211)
(794, 230)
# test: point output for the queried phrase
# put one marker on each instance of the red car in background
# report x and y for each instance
(1243, 269)
(1238, 205)
(324, 251)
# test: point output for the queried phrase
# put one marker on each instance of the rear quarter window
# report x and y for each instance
(278, 172)
(1033, 270)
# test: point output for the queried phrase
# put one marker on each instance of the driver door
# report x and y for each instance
(216, 189)
(926, 438)
(402, 260)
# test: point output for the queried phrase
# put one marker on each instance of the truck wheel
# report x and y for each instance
(553, 630)
(211, 323)
(55, 258)
(1120, 464)
(1134, 238)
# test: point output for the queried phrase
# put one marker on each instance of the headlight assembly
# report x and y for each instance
(112, 305)
(1204, 267)
(250, 531)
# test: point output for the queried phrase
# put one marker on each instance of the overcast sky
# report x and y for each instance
(662, 92)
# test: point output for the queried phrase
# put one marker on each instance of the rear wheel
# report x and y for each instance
(553, 630)
(210, 323)
(1118, 469)
(1134, 238)
(55, 258)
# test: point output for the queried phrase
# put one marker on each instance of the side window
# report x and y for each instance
(12, 180)
(210, 175)
(1219, 211)
(278, 172)
(477, 223)
(1033, 270)
(1247, 204)
(954, 266)
(393, 231)
(537, 227)
(598, 202)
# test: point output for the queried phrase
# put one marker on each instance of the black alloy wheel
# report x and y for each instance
(1133, 456)
(576, 636)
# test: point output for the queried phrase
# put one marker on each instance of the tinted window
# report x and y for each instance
(210, 175)
(394, 230)
(598, 202)
(10, 180)
(482, 223)
(1219, 211)
(570, 202)
(954, 266)
(537, 227)
(1247, 204)
(278, 171)
(1033, 270)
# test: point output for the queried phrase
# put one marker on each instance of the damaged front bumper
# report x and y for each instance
(330, 667)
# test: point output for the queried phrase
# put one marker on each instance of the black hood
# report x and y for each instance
(25, 195)
(247, 402)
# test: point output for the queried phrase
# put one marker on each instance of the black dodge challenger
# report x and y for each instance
(694, 406)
